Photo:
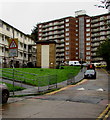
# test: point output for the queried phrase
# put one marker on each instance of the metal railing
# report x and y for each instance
(71, 79)
(30, 80)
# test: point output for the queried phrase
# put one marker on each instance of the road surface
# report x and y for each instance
(87, 99)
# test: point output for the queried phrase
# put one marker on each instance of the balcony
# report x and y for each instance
(95, 45)
(95, 20)
(60, 46)
(94, 50)
(96, 35)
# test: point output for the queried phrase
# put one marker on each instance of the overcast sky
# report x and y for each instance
(25, 14)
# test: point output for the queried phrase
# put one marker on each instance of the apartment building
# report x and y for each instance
(73, 39)
(100, 31)
(63, 32)
(26, 50)
(77, 38)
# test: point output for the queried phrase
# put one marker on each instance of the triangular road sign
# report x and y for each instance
(13, 45)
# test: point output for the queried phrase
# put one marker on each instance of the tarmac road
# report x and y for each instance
(87, 99)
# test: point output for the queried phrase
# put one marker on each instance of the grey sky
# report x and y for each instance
(24, 14)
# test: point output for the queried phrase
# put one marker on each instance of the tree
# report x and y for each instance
(104, 52)
(34, 33)
(102, 4)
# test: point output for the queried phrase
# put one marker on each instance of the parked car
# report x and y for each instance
(4, 93)
(90, 74)
(74, 63)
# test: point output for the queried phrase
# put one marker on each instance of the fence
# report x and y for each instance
(71, 79)
(30, 80)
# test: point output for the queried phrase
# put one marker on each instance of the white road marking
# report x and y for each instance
(80, 88)
(100, 89)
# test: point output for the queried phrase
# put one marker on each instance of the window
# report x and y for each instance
(67, 43)
(87, 53)
(40, 34)
(88, 58)
(76, 34)
(76, 39)
(87, 20)
(88, 29)
(76, 53)
(40, 30)
(87, 25)
(87, 48)
(76, 48)
(2, 37)
(21, 54)
(76, 43)
(67, 24)
(67, 34)
(88, 34)
(67, 29)
(7, 28)
(67, 48)
(21, 35)
(87, 39)
(67, 57)
(40, 26)
(40, 38)
(25, 46)
(67, 53)
(25, 55)
(88, 43)
(67, 20)
(67, 38)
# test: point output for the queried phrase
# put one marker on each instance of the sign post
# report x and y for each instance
(13, 52)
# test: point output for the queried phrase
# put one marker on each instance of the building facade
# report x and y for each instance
(26, 50)
(63, 32)
(77, 38)
(100, 31)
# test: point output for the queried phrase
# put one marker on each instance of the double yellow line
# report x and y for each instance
(105, 114)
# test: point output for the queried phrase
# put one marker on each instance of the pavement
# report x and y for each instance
(30, 90)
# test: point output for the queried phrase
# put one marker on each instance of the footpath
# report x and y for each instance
(30, 90)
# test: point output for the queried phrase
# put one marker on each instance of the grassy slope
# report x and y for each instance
(62, 74)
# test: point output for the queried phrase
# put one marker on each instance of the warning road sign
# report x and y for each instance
(13, 47)
(13, 43)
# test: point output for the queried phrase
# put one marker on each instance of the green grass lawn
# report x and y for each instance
(43, 74)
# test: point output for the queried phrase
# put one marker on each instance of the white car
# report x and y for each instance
(4, 93)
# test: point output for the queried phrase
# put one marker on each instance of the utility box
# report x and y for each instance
(46, 54)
